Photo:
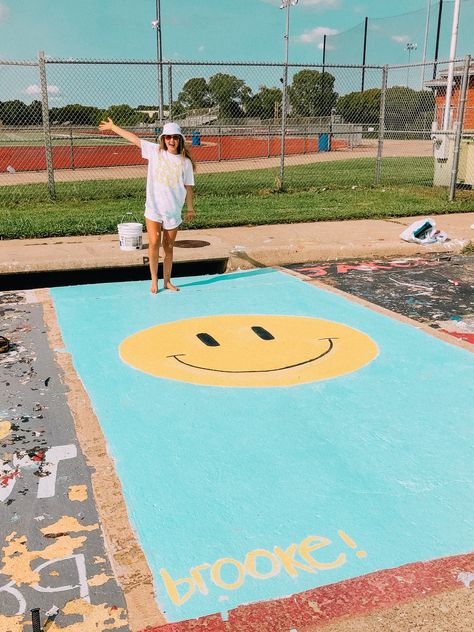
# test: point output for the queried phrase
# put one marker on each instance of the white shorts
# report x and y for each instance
(170, 221)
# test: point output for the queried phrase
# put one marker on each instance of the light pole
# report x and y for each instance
(285, 4)
(425, 43)
(410, 46)
(452, 55)
(156, 24)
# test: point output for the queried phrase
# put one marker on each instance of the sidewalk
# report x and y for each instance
(241, 247)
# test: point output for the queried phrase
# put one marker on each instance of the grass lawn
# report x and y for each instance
(321, 191)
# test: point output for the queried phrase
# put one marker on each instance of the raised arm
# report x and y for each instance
(109, 125)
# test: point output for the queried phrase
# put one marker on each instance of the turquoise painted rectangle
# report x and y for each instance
(384, 454)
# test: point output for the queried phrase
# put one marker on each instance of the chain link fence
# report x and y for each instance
(333, 134)
(412, 37)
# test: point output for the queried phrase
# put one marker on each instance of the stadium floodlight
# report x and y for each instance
(156, 24)
(285, 4)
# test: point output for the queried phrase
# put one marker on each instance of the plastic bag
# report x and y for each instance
(423, 231)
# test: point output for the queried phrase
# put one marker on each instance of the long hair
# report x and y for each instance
(182, 150)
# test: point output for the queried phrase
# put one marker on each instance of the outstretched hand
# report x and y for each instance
(106, 125)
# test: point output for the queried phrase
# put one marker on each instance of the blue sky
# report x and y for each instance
(217, 30)
(209, 30)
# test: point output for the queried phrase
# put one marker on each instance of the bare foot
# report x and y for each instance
(154, 287)
(170, 286)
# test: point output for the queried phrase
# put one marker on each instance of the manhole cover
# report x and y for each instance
(191, 243)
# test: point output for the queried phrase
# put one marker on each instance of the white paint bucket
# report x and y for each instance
(130, 235)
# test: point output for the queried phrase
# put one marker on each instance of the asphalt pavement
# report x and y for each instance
(58, 484)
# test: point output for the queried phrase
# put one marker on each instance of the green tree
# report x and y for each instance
(360, 107)
(404, 107)
(177, 110)
(75, 114)
(312, 93)
(262, 104)
(230, 93)
(14, 113)
(35, 113)
(124, 115)
(195, 94)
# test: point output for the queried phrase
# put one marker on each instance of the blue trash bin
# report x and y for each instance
(323, 142)
(195, 139)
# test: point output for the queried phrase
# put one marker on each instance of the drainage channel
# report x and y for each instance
(57, 278)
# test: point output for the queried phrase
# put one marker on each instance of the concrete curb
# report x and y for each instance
(240, 247)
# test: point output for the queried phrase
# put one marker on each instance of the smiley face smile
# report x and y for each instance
(248, 350)
(282, 368)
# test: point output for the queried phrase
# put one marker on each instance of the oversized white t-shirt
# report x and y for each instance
(167, 176)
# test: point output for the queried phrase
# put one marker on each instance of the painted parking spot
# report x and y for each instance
(435, 289)
(243, 494)
(52, 551)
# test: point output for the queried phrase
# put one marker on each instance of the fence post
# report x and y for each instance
(284, 106)
(170, 92)
(459, 128)
(383, 94)
(46, 126)
(364, 53)
(71, 149)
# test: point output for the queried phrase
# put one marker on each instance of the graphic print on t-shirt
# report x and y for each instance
(168, 172)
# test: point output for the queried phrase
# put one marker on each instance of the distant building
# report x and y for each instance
(152, 112)
(439, 86)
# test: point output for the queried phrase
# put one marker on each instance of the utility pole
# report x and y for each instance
(425, 43)
(156, 24)
(452, 56)
(286, 4)
(438, 31)
(410, 47)
(364, 54)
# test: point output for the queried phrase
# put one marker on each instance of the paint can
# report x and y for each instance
(130, 235)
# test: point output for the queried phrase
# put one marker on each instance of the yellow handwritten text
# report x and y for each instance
(259, 564)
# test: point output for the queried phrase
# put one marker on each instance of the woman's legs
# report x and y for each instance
(154, 232)
(169, 237)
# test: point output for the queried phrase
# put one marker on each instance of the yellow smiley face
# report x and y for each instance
(249, 350)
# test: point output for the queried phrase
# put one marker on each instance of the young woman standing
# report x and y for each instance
(170, 182)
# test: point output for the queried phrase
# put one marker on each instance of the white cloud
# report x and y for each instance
(316, 36)
(201, 49)
(400, 39)
(35, 90)
(4, 12)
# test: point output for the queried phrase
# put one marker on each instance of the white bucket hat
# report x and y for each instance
(170, 129)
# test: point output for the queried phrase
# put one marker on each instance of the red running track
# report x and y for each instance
(212, 148)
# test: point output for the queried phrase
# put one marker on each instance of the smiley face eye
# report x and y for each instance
(208, 340)
(263, 333)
